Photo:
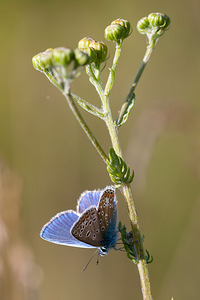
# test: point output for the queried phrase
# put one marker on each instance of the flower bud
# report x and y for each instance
(125, 25)
(143, 25)
(114, 33)
(46, 58)
(159, 20)
(36, 62)
(90, 52)
(100, 49)
(62, 56)
(81, 58)
(155, 24)
(85, 42)
(118, 30)
(97, 51)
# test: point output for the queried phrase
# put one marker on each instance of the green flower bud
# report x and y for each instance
(100, 49)
(62, 56)
(97, 51)
(36, 62)
(85, 42)
(90, 52)
(114, 33)
(60, 65)
(153, 26)
(125, 25)
(159, 20)
(118, 30)
(143, 25)
(46, 58)
(81, 58)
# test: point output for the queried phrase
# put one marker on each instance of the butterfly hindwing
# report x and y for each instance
(87, 229)
(106, 209)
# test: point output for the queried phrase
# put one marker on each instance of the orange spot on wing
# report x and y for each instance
(83, 219)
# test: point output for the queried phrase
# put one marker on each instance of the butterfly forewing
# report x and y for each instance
(106, 209)
(87, 228)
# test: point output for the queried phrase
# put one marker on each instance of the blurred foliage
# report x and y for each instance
(42, 143)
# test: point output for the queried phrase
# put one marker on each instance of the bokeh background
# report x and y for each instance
(46, 161)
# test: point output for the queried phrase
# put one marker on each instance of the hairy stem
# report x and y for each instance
(142, 265)
(127, 192)
(84, 125)
(110, 80)
(145, 60)
(126, 189)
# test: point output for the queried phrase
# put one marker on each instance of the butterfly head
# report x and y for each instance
(103, 251)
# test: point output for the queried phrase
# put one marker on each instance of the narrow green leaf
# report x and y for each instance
(88, 106)
(125, 111)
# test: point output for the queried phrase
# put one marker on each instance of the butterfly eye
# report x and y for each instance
(103, 251)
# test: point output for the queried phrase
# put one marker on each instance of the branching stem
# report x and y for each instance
(84, 125)
(54, 62)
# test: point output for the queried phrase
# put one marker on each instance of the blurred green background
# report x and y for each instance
(46, 161)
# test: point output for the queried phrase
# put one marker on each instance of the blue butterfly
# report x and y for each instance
(93, 225)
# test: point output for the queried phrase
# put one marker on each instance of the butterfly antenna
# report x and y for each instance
(90, 260)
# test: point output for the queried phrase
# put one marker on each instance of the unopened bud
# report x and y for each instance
(159, 20)
(118, 30)
(114, 33)
(143, 25)
(125, 25)
(62, 56)
(36, 62)
(85, 42)
(90, 52)
(97, 51)
(155, 24)
(100, 49)
(46, 58)
(81, 58)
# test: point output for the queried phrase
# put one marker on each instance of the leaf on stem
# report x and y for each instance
(127, 240)
(125, 111)
(129, 245)
(88, 106)
(118, 170)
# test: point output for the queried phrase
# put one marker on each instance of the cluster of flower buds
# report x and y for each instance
(154, 24)
(59, 57)
(118, 30)
(60, 65)
(97, 51)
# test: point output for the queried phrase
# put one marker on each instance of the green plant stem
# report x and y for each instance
(127, 192)
(142, 264)
(110, 80)
(113, 131)
(84, 125)
(126, 189)
(145, 60)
